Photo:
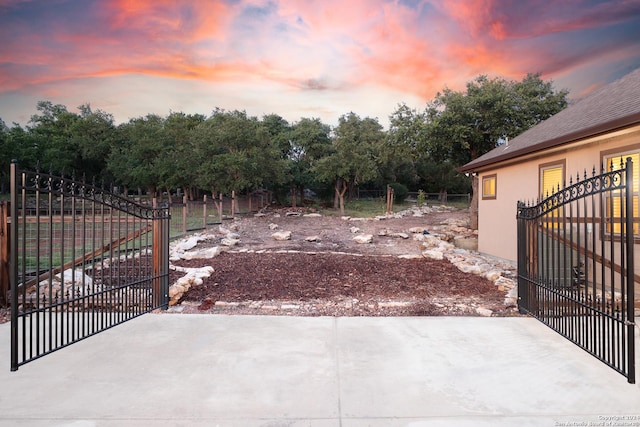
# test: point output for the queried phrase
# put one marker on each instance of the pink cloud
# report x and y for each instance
(310, 46)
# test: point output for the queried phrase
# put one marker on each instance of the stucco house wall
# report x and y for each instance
(576, 137)
(519, 179)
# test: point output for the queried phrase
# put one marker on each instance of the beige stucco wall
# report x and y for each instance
(520, 181)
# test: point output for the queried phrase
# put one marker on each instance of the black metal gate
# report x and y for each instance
(82, 260)
(576, 264)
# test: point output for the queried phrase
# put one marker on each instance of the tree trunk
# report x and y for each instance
(340, 192)
(301, 189)
(294, 192)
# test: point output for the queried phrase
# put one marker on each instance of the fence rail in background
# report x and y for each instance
(576, 265)
(192, 215)
(82, 260)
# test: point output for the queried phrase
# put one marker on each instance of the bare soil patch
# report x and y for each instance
(333, 275)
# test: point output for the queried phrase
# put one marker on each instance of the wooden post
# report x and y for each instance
(220, 210)
(204, 212)
(4, 254)
(184, 214)
(233, 203)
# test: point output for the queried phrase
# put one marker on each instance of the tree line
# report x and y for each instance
(231, 151)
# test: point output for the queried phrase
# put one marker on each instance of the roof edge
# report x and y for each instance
(600, 129)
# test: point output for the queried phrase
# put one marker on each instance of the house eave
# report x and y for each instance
(589, 132)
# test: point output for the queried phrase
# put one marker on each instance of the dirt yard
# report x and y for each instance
(321, 271)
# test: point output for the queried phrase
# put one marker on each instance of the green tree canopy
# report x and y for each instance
(463, 126)
(353, 158)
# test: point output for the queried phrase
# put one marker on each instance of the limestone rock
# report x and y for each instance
(363, 238)
(273, 226)
(230, 241)
(188, 244)
(433, 254)
(430, 241)
(354, 229)
(505, 282)
(312, 215)
(206, 253)
(511, 300)
(484, 312)
(312, 238)
(282, 235)
(492, 275)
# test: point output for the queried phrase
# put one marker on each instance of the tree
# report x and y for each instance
(6, 154)
(136, 157)
(399, 154)
(463, 126)
(275, 134)
(309, 142)
(235, 155)
(352, 160)
(52, 133)
(178, 163)
(94, 134)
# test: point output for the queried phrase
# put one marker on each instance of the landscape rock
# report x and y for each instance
(484, 312)
(282, 235)
(312, 239)
(493, 275)
(230, 241)
(363, 238)
(202, 253)
(420, 230)
(193, 277)
(433, 254)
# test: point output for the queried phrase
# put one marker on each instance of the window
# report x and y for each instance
(614, 204)
(489, 186)
(552, 181)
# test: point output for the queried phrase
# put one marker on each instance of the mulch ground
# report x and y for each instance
(431, 287)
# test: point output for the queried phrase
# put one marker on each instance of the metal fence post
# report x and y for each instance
(13, 266)
(630, 323)
(160, 253)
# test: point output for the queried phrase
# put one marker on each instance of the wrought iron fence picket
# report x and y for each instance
(83, 260)
(576, 264)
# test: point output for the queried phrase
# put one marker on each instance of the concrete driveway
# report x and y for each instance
(207, 370)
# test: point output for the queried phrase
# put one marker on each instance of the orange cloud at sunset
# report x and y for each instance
(300, 54)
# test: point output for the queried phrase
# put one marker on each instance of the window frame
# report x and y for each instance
(605, 161)
(487, 178)
(554, 213)
(561, 164)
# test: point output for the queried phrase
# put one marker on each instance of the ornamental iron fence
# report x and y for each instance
(576, 264)
(82, 260)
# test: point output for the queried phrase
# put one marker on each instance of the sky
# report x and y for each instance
(298, 58)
